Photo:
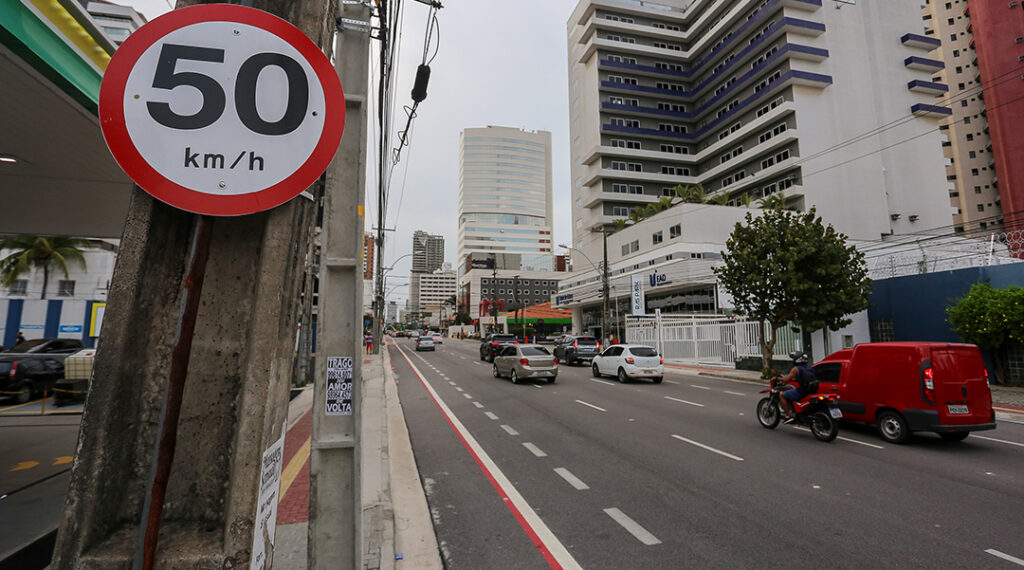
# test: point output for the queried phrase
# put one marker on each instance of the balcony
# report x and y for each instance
(927, 87)
(595, 174)
(919, 41)
(923, 64)
(595, 154)
(642, 70)
(649, 112)
(626, 88)
(651, 133)
(933, 111)
(593, 196)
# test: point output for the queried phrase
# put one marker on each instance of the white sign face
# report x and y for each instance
(235, 108)
(265, 525)
(221, 109)
(637, 295)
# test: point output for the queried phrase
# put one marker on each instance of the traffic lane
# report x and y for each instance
(475, 528)
(32, 512)
(35, 447)
(813, 482)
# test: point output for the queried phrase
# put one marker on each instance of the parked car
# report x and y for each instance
(573, 349)
(629, 361)
(525, 361)
(77, 373)
(55, 346)
(903, 387)
(424, 342)
(438, 338)
(491, 345)
(25, 376)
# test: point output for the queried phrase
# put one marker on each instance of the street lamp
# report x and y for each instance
(604, 282)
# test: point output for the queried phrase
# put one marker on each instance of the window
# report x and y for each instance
(674, 149)
(977, 189)
(657, 237)
(616, 211)
(981, 207)
(675, 231)
(672, 107)
(65, 288)
(970, 137)
(19, 287)
(625, 249)
(675, 170)
(634, 246)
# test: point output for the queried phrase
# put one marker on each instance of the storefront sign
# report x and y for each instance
(637, 295)
(655, 279)
(563, 299)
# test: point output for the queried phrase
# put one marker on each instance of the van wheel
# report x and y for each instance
(657, 379)
(955, 436)
(892, 427)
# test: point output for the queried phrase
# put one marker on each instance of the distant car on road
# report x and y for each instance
(27, 375)
(628, 361)
(424, 343)
(491, 345)
(438, 338)
(61, 347)
(524, 362)
(572, 349)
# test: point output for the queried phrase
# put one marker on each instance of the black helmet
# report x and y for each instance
(798, 357)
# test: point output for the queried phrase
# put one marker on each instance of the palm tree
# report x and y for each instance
(637, 214)
(691, 193)
(746, 199)
(772, 202)
(620, 223)
(31, 252)
(721, 199)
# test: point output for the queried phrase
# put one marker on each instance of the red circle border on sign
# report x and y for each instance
(115, 131)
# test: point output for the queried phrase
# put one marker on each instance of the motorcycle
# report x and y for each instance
(818, 412)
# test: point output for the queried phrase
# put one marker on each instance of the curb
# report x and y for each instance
(414, 537)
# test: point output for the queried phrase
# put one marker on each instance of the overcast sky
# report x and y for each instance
(499, 63)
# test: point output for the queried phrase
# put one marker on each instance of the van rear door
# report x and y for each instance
(961, 392)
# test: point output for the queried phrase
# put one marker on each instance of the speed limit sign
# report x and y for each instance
(222, 110)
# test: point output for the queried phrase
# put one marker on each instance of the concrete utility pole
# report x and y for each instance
(235, 398)
(335, 507)
(604, 287)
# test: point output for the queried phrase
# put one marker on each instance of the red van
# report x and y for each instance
(903, 387)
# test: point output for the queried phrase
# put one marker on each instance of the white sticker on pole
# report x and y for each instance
(637, 295)
(265, 525)
(339, 386)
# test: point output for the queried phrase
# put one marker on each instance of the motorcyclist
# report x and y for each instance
(803, 374)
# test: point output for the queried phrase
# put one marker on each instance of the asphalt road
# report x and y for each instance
(36, 453)
(596, 474)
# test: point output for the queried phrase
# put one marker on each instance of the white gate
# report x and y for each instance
(706, 339)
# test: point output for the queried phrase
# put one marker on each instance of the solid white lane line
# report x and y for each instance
(571, 479)
(509, 430)
(633, 527)
(864, 443)
(701, 387)
(734, 393)
(708, 447)
(1005, 557)
(684, 401)
(534, 449)
(591, 405)
(491, 415)
(524, 513)
(602, 381)
(478, 404)
(457, 389)
(1000, 440)
(467, 396)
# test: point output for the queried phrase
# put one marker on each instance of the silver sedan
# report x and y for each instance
(525, 361)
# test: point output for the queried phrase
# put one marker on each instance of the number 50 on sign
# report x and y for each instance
(221, 109)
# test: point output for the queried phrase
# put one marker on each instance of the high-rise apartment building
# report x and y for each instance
(996, 31)
(117, 22)
(975, 195)
(505, 213)
(505, 193)
(368, 256)
(817, 99)
(427, 257)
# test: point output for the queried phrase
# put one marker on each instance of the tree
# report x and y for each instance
(637, 214)
(789, 267)
(719, 199)
(691, 193)
(42, 252)
(990, 318)
(620, 223)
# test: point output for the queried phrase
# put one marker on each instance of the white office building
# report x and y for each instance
(117, 22)
(821, 100)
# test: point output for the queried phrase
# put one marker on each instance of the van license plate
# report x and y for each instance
(957, 409)
(836, 413)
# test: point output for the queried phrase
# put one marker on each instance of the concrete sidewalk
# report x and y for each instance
(1008, 401)
(397, 529)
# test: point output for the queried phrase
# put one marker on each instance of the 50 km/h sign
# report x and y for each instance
(221, 109)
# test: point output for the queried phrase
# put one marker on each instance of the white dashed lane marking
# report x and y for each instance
(491, 415)
(598, 408)
(457, 389)
(571, 479)
(467, 396)
(602, 381)
(1005, 556)
(684, 401)
(534, 449)
(509, 430)
(708, 447)
(734, 393)
(701, 387)
(633, 527)
(478, 404)
(999, 440)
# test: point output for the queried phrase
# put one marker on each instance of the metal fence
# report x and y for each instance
(708, 340)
